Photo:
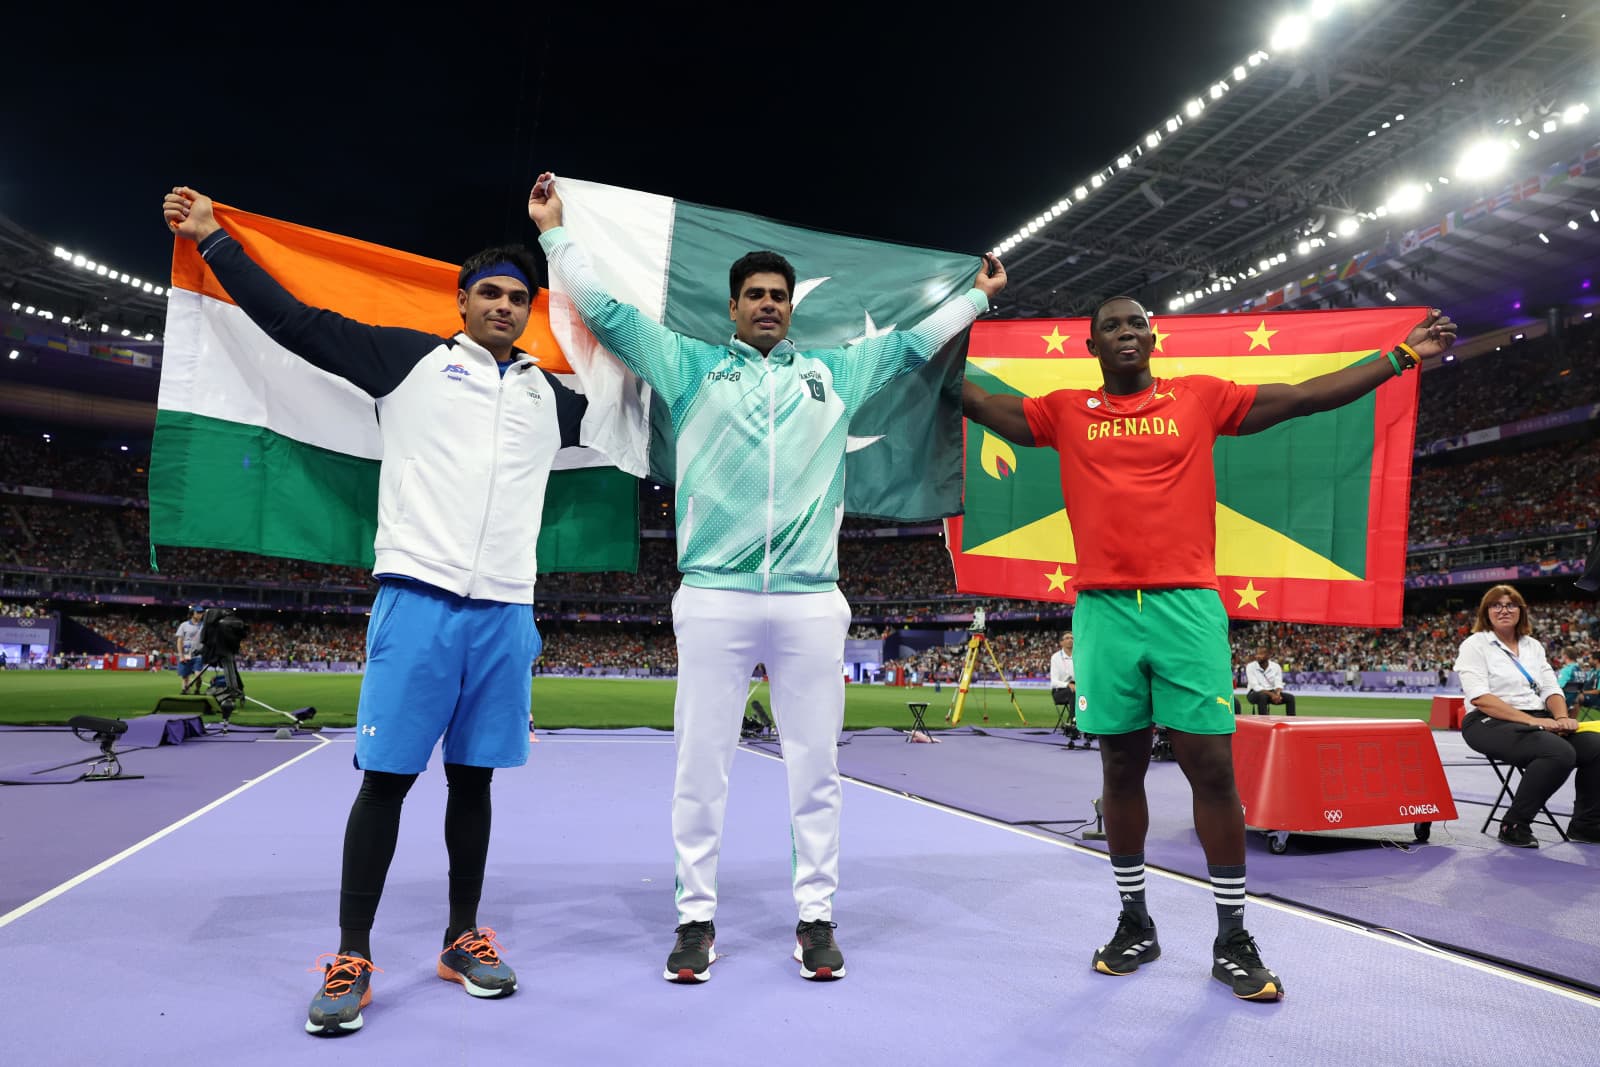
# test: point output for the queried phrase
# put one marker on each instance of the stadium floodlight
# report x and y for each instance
(1321, 9)
(1124, 161)
(1152, 139)
(1291, 32)
(161, 291)
(1572, 224)
(102, 270)
(1385, 125)
(1172, 124)
(1304, 248)
(1549, 126)
(1400, 118)
(1407, 197)
(1595, 215)
(1080, 192)
(62, 253)
(1575, 113)
(1543, 238)
(15, 354)
(1533, 135)
(1097, 181)
(1381, 212)
(1218, 89)
(1239, 73)
(1389, 296)
(1265, 264)
(1193, 108)
(1257, 58)
(79, 261)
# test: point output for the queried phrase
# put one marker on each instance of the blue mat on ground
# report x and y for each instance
(966, 943)
(1463, 888)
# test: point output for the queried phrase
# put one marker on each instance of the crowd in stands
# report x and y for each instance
(1552, 489)
(84, 467)
(1529, 378)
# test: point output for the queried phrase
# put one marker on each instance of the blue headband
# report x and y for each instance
(503, 269)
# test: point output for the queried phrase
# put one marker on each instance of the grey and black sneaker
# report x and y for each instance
(346, 989)
(1238, 965)
(1518, 834)
(692, 953)
(1133, 944)
(473, 960)
(817, 952)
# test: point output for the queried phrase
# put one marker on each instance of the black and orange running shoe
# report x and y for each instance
(473, 959)
(346, 989)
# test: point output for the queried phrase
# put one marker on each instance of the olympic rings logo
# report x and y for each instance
(1333, 815)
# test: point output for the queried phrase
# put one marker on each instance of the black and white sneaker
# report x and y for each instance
(1132, 944)
(818, 953)
(1238, 965)
(692, 953)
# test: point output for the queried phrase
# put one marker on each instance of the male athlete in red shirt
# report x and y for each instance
(1152, 634)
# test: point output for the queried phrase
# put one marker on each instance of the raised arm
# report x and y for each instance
(1276, 402)
(1002, 414)
(664, 359)
(373, 358)
(862, 369)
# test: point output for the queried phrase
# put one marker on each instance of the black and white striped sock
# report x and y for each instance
(1129, 873)
(1227, 889)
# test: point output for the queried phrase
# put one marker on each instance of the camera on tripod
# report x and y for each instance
(222, 634)
(978, 622)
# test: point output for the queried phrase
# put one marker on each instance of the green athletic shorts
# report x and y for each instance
(1152, 656)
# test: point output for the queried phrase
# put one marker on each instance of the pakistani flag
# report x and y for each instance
(255, 450)
(1311, 514)
(670, 260)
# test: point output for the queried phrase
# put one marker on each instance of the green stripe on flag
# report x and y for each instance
(1308, 479)
(227, 485)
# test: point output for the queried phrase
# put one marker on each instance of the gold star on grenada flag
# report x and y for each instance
(1054, 340)
(1261, 337)
(1311, 514)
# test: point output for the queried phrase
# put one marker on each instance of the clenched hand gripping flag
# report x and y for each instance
(1311, 514)
(256, 450)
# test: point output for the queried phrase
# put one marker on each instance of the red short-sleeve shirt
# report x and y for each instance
(1139, 485)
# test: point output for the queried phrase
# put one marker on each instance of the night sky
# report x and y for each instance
(426, 134)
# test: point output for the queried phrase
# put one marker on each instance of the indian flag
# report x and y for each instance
(670, 259)
(255, 450)
(1311, 514)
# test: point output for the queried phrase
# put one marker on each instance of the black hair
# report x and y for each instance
(758, 263)
(517, 255)
(1094, 316)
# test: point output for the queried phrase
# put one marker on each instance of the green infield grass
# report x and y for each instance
(596, 703)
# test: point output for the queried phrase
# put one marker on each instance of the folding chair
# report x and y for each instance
(1510, 774)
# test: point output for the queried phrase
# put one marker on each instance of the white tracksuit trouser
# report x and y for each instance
(722, 635)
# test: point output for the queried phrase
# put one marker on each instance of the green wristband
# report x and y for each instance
(1395, 363)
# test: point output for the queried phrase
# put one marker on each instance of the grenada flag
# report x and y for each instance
(1311, 514)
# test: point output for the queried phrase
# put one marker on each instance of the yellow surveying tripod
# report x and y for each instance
(976, 641)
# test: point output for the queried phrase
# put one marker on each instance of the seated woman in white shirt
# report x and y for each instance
(1519, 716)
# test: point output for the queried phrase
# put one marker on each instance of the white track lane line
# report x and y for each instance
(104, 865)
(1398, 939)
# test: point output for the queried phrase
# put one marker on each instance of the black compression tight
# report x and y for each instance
(369, 843)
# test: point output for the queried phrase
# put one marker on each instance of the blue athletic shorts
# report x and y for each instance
(441, 665)
(189, 666)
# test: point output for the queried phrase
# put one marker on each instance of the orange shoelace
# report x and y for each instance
(342, 972)
(480, 944)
